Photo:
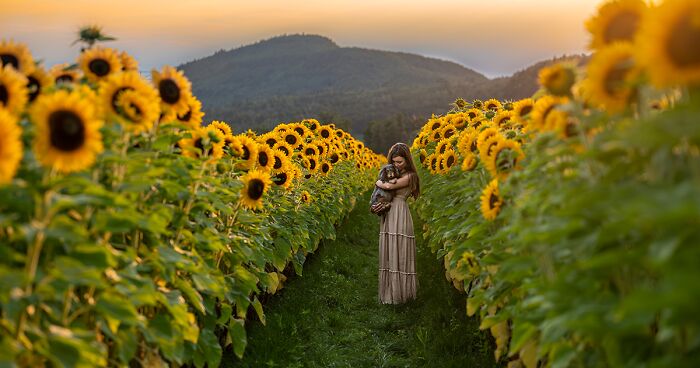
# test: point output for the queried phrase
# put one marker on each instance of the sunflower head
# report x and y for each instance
(98, 63)
(615, 21)
(265, 158)
(505, 158)
(305, 197)
(130, 100)
(612, 77)
(10, 146)
(255, 185)
(490, 201)
(493, 105)
(13, 89)
(469, 162)
(478, 104)
(37, 81)
(173, 87)
(326, 167)
(16, 55)
(558, 78)
(129, 64)
(65, 74)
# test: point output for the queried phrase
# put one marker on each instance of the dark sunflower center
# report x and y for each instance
(186, 117)
(290, 139)
(503, 121)
(334, 158)
(10, 59)
(64, 78)
(547, 111)
(525, 110)
(99, 67)
(246, 153)
(325, 134)
(472, 147)
(622, 27)
(422, 158)
(493, 200)
(256, 188)
(169, 91)
(66, 130)
(320, 150)
(435, 126)
(313, 126)
(491, 146)
(34, 88)
(325, 168)
(312, 164)
(682, 45)
(281, 178)
(136, 116)
(449, 133)
(278, 163)
(476, 124)
(115, 97)
(502, 160)
(443, 148)
(450, 161)
(615, 80)
(433, 163)
(263, 159)
(570, 129)
(339, 134)
(299, 130)
(4, 96)
(283, 149)
(491, 107)
(309, 152)
(271, 142)
(472, 115)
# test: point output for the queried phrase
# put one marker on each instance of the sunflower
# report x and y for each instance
(248, 152)
(283, 177)
(192, 117)
(436, 135)
(224, 128)
(13, 89)
(477, 104)
(434, 124)
(10, 146)
(467, 141)
(558, 78)
(469, 162)
(113, 86)
(270, 139)
(611, 76)
(265, 158)
(138, 113)
(284, 147)
(443, 146)
(493, 105)
(502, 119)
(485, 135)
(563, 124)
(301, 130)
(67, 131)
(312, 124)
(486, 149)
(325, 132)
(99, 63)
(478, 122)
(669, 41)
(310, 164)
(542, 108)
(16, 55)
(326, 167)
(433, 160)
(460, 121)
(65, 73)
(279, 160)
(490, 201)
(207, 142)
(505, 158)
(129, 64)
(255, 185)
(449, 159)
(37, 80)
(474, 113)
(173, 87)
(615, 21)
(448, 131)
(310, 150)
(305, 197)
(521, 110)
(292, 138)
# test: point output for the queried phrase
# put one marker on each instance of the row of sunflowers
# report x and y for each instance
(571, 220)
(132, 234)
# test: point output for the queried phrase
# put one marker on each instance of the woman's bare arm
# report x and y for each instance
(402, 182)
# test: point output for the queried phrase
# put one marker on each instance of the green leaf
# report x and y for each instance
(116, 309)
(209, 345)
(238, 336)
(191, 294)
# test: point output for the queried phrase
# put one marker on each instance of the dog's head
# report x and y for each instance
(388, 172)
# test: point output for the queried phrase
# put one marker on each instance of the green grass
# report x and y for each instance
(331, 316)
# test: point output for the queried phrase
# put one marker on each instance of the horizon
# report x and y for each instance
(495, 40)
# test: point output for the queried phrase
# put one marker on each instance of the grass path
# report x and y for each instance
(331, 317)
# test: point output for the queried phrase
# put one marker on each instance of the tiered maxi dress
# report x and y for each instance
(397, 252)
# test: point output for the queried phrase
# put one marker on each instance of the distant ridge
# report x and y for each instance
(290, 77)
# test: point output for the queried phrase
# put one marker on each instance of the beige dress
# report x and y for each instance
(397, 252)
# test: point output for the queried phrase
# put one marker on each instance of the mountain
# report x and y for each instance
(291, 77)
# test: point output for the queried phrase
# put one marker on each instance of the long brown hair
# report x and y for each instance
(402, 150)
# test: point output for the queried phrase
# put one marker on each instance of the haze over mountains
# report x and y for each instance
(291, 77)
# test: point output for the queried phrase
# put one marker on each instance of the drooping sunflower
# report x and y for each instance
(113, 86)
(67, 131)
(558, 78)
(465, 141)
(615, 21)
(16, 55)
(37, 81)
(13, 89)
(10, 146)
(504, 159)
(669, 41)
(65, 73)
(173, 87)
(305, 197)
(478, 104)
(255, 185)
(469, 162)
(129, 64)
(248, 152)
(265, 158)
(493, 105)
(612, 72)
(490, 201)
(486, 149)
(98, 63)
(137, 113)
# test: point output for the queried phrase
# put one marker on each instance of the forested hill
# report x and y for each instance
(292, 77)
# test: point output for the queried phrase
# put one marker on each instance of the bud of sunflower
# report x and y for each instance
(508, 106)
(558, 79)
(460, 103)
(490, 114)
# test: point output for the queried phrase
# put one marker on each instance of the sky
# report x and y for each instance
(494, 37)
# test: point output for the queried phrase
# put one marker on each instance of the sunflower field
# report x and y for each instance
(130, 233)
(571, 220)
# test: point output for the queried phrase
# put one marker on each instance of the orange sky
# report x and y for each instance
(495, 37)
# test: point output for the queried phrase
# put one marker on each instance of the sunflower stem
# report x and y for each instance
(190, 201)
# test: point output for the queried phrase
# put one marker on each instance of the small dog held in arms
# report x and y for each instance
(380, 202)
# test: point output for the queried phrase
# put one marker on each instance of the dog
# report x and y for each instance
(380, 201)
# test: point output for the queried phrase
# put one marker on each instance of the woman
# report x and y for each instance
(397, 244)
